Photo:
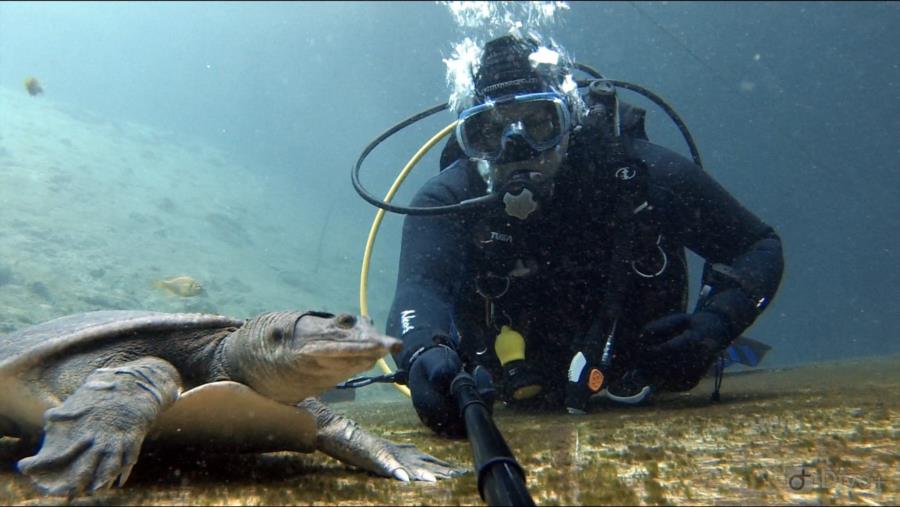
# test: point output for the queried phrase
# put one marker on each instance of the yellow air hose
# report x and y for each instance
(379, 216)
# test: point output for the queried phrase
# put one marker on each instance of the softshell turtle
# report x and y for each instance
(98, 384)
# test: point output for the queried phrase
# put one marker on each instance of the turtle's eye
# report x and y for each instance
(276, 334)
(345, 321)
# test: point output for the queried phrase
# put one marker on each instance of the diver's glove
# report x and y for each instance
(430, 373)
(686, 341)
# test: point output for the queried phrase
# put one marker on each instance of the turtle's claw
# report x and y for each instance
(419, 466)
(126, 472)
(106, 474)
(401, 475)
(427, 476)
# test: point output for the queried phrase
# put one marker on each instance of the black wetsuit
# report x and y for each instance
(563, 252)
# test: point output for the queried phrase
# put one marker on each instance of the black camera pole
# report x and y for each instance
(501, 481)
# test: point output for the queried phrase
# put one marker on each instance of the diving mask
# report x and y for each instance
(539, 119)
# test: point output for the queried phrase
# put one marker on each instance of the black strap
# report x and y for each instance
(398, 377)
(628, 184)
(720, 374)
(451, 153)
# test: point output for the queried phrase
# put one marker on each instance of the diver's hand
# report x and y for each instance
(686, 338)
(430, 375)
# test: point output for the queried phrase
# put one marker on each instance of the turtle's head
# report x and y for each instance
(289, 356)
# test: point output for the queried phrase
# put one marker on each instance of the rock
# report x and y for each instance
(166, 204)
(228, 229)
(6, 274)
(39, 289)
(100, 302)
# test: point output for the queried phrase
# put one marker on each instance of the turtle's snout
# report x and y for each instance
(393, 345)
(386, 343)
(367, 326)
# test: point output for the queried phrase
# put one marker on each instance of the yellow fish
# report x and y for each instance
(32, 86)
(183, 286)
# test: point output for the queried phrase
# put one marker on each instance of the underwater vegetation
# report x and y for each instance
(32, 86)
(791, 436)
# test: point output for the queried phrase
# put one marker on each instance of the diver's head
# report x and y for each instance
(522, 105)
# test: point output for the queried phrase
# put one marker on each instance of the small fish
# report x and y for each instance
(183, 286)
(32, 86)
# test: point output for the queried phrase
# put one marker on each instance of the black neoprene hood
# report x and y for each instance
(506, 69)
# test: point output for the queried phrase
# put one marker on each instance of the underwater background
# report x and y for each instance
(214, 140)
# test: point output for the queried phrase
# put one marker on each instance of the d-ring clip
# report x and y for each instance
(665, 262)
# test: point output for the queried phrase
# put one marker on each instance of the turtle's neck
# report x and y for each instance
(219, 367)
(204, 360)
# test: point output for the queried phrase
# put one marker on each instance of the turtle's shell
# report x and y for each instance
(243, 418)
(40, 343)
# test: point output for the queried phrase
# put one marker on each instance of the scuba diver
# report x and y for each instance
(574, 286)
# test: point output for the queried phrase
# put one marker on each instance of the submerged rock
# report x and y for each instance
(6, 274)
(40, 289)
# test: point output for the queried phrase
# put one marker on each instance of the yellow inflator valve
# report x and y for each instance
(510, 348)
(509, 345)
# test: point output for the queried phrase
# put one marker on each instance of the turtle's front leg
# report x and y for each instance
(343, 439)
(95, 435)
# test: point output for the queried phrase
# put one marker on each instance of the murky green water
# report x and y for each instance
(832, 426)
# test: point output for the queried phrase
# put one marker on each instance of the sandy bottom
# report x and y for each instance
(94, 211)
(817, 434)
